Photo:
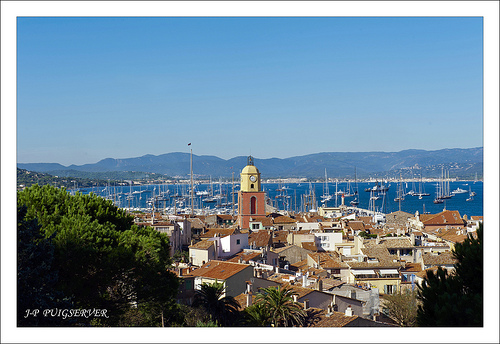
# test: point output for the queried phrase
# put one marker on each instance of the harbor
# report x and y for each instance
(373, 197)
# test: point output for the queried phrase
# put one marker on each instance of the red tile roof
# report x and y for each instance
(447, 217)
(222, 232)
(202, 245)
(219, 270)
(260, 238)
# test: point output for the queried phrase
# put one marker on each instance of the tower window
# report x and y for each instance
(253, 205)
(251, 186)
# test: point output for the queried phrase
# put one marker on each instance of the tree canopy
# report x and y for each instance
(455, 299)
(103, 260)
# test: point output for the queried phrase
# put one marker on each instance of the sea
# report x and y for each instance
(293, 197)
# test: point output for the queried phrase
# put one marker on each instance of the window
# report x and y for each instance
(389, 289)
(237, 241)
(251, 186)
(255, 226)
(253, 205)
(189, 284)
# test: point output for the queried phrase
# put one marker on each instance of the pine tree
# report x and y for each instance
(455, 299)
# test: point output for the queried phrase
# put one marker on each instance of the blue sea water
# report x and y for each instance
(138, 196)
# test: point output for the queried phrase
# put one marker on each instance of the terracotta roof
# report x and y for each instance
(259, 238)
(442, 258)
(219, 270)
(327, 260)
(309, 245)
(247, 256)
(451, 235)
(356, 225)
(365, 219)
(266, 221)
(300, 291)
(280, 236)
(477, 218)
(202, 245)
(301, 265)
(447, 217)
(318, 318)
(389, 242)
(412, 267)
(284, 220)
(222, 232)
(376, 252)
(242, 300)
(196, 223)
(375, 265)
(423, 273)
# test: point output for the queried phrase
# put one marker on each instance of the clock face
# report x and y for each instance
(253, 179)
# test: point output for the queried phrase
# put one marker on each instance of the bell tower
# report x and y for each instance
(251, 199)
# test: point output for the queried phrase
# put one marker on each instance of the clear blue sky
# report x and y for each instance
(93, 88)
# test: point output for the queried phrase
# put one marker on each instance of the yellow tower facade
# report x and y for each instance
(251, 198)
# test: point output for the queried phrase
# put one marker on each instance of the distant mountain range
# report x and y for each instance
(462, 163)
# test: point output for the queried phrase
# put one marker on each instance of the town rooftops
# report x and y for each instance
(389, 242)
(446, 217)
(309, 245)
(328, 261)
(376, 252)
(245, 256)
(284, 220)
(440, 258)
(259, 239)
(321, 318)
(219, 270)
(220, 232)
(266, 221)
(202, 245)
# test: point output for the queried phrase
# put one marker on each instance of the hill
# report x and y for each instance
(462, 163)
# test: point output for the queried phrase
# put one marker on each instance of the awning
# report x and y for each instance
(388, 271)
(363, 272)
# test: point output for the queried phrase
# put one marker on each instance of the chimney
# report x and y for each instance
(295, 298)
(180, 272)
(249, 287)
(241, 259)
(378, 239)
(348, 311)
(330, 309)
(306, 304)
(320, 285)
(249, 299)
(304, 280)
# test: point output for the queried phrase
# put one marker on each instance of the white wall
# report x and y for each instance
(229, 244)
(327, 241)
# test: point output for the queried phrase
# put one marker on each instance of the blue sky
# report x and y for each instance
(94, 88)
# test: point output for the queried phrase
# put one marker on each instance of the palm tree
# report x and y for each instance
(283, 310)
(222, 308)
(257, 315)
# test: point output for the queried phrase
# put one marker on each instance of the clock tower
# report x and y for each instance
(251, 199)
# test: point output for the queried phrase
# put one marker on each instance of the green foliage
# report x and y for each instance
(283, 311)
(456, 299)
(402, 307)
(222, 308)
(103, 259)
(36, 276)
(257, 315)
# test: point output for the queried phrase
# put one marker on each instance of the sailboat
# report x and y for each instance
(421, 189)
(471, 195)
(355, 201)
(400, 196)
(326, 193)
